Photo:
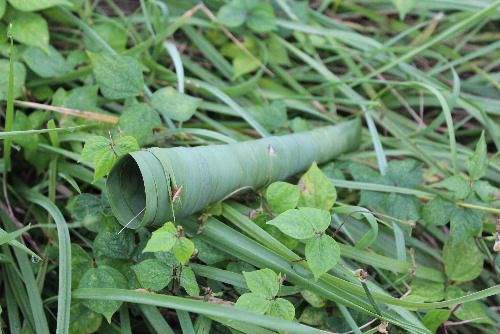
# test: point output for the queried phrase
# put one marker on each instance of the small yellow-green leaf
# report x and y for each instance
(163, 239)
(282, 196)
(316, 190)
(183, 250)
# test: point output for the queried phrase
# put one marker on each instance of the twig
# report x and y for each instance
(68, 111)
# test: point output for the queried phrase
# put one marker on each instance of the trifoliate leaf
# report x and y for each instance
(175, 105)
(153, 274)
(103, 277)
(264, 282)
(463, 260)
(282, 308)
(478, 162)
(282, 196)
(118, 76)
(302, 223)
(163, 239)
(322, 254)
(316, 190)
(254, 302)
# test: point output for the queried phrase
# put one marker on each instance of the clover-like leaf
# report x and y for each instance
(30, 29)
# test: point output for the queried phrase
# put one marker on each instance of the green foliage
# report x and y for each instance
(309, 225)
(316, 190)
(463, 260)
(153, 274)
(282, 196)
(435, 318)
(103, 277)
(402, 173)
(175, 105)
(478, 163)
(104, 152)
(118, 76)
(35, 5)
(30, 29)
(45, 63)
(264, 285)
(139, 121)
(257, 15)
(296, 69)
(167, 238)
(404, 7)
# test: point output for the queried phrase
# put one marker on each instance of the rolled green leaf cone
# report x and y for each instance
(154, 185)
